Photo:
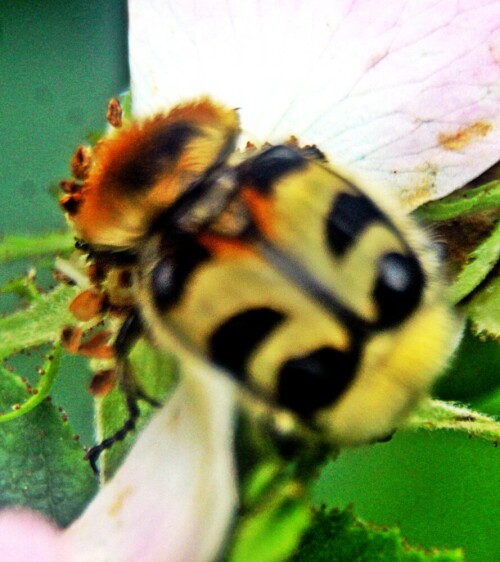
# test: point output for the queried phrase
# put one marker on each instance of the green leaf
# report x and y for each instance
(491, 403)
(260, 481)
(436, 414)
(463, 202)
(40, 323)
(156, 372)
(23, 286)
(274, 494)
(14, 247)
(126, 103)
(480, 262)
(473, 371)
(270, 532)
(484, 310)
(41, 463)
(48, 376)
(337, 536)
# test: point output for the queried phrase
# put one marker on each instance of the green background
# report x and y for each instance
(60, 62)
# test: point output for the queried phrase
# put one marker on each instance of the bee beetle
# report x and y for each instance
(318, 295)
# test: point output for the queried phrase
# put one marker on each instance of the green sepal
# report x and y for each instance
(480, 263)
(484, 311)
(338, 536)
(463, 202)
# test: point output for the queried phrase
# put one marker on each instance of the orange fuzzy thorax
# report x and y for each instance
(140, 170)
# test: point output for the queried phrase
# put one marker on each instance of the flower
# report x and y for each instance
(401, 93)
(175, 495)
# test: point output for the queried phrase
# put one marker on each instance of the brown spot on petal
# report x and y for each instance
(494, 47)
(421, 190)
(464, 136)
(119, 501)
(376, 58)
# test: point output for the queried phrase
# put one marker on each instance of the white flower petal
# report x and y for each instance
(403, 93)
(173, 498)
(25, 535)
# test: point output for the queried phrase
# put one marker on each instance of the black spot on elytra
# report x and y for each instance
(316, 380)
(171, 273)
(348, 217)
(271, 165)
(398, 287)
(233, 342)
(161, 151)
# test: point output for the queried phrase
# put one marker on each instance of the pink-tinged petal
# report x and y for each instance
(25, 535)
(174, 497)
(405, 93)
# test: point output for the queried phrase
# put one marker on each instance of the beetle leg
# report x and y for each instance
(130, 331)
